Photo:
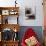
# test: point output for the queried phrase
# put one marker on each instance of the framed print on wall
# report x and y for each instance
(29, 13)
(5, 12)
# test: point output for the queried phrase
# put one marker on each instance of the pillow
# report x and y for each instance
(31, 41)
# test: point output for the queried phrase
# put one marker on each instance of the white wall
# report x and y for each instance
(27, 3)
(39, 13)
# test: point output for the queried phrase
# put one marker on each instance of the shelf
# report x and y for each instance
(17, 14)
(11, 41)
(5, 12)
(6, 24)
(11, 15)
(9, 8)
(10, 19)
(10, 26)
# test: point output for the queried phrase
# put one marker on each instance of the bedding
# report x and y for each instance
(30, 38)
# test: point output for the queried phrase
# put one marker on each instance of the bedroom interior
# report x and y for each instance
(16, 17)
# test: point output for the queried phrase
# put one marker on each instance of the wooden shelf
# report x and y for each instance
(4, 25)
(10, 26)
(7, 13)
(9, 43)
(5, 8)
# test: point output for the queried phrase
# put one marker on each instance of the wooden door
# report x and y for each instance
(44, 7)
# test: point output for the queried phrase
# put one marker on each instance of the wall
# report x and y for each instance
(27, 3)
(39, 13)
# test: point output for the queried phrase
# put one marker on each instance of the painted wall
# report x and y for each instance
(39, 16)
(23, 4)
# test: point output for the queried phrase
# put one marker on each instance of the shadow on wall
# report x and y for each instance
(37, 29)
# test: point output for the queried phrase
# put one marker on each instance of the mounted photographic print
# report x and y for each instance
(5, 12)
(29, 13)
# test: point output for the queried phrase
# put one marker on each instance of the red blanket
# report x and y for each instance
(29, 33)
